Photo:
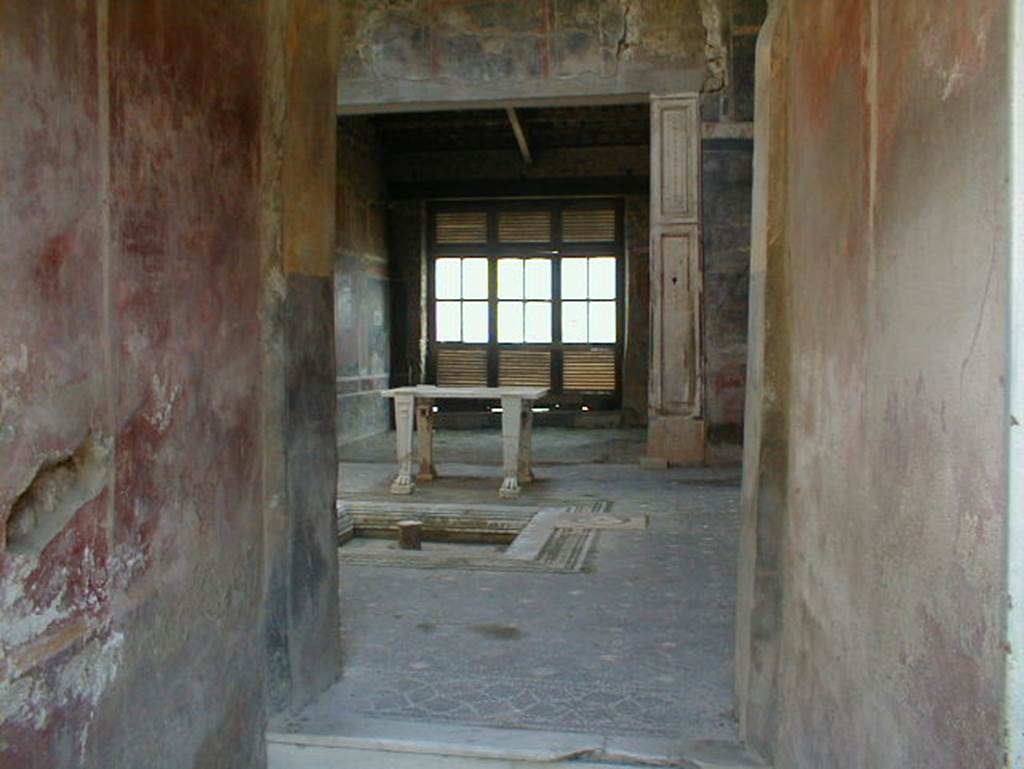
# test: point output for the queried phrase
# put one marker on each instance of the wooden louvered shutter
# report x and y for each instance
(588, 225)
(462, 368)
(524, 368)
(454, 227)
(524, 226)
(589, 370)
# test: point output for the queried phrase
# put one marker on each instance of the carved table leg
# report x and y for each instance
(526, 442)
(403, 484)
(511, 428)
(425, 435)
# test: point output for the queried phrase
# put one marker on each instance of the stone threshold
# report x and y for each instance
(370, 743)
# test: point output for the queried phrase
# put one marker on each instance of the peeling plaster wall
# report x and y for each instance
(726, 199)
(407, 225)
(732, 27)
(435, 51)
(637, 351)
(363, 338)
(417, 54)
(301, 616)
(891, 572)
(133, 364)
(59, 646)
(766, 425)
(138, 323)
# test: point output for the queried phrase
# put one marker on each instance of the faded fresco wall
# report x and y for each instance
(726, 199)
(890, 601)
(637, 351)
(436, 51)
(407, 226)
(363, 337)
(301, 616)
(132, 363)
(60, 648)
(133, 330)
(766, 414)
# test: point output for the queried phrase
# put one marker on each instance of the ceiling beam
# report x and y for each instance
(377, 107)
(534, 188)
(521, 140)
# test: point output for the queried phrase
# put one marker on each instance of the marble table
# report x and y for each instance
(516, 430)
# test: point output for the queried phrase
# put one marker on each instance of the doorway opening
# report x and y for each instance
(512, 248)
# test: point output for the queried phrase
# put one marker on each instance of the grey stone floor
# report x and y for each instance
(639, 643)
(551, 445)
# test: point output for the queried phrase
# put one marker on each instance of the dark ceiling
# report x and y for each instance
(547, 127)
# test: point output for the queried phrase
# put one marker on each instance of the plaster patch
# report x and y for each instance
(135, 344)
(126, 561)
(277, 285)
(32, 700)
(59, 489)
(27, 625)
(89, 675)
(32, 625)
(964, 44)
(953, 80)
(15, 362)
(628, 39)
(22, 701)
(165, 398)
(716, 50)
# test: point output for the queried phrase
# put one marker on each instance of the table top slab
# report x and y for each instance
(474, 393)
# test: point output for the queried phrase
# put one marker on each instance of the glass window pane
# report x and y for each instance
(538, 322)
(448, 279)
(574, 322)
(449, 322)
(474, 278)
(602, 322)
(574, 278)
(602, 277)
(510, 279)
(510, 322)
(538, 278)
(474, 322)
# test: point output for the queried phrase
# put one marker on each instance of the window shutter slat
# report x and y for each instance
(524, 226)
(524, 368)
(461, 227)
(588, 225)
(588, 370)
(462, 368)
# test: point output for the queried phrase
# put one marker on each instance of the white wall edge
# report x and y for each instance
(1014, 691)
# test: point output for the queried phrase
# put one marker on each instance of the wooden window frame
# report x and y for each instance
(556, 250)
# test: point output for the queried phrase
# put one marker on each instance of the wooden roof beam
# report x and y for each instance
(520, 132)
